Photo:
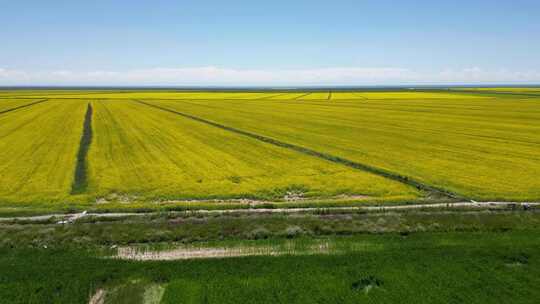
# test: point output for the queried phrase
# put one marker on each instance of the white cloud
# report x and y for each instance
(476, 74)
(211, 75)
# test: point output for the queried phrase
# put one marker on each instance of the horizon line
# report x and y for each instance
(272, 87)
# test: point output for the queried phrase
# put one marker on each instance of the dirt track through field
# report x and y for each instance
(80, 179)
(380, 208)
(332, 158)
(23, 106)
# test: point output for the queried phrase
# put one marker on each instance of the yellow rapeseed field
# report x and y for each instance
(148, 146)
(38, 147)
(148, 153)
(6, 105)
(483, 148)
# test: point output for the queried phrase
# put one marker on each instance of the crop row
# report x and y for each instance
(483, 148)
(138, 153)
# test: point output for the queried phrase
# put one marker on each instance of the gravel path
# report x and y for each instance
(68, 218)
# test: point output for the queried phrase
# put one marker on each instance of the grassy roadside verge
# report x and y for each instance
(191, 228)
(386, 257)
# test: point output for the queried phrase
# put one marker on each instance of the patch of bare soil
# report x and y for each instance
(239, 201)
(186, 253)
(351, 197)
(293, 196)
(117, 197)
(290, 196)
(98, 297)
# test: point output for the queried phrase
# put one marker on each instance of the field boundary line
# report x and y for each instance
(23, 106)
(271, 96)
(301, 96)
(362, 97)
(332, 158)
(80, 178)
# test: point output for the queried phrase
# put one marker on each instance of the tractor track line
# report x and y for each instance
(80, 178)
(23, 106)
(328, 157)
(362, 97)
(271, 96)
(301, 96)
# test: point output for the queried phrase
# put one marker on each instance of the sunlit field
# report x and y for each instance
(479, 147)
(278, 152)
(146, 147)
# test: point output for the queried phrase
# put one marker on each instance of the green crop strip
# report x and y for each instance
(80, 181)
(23, 106)
(355, 165)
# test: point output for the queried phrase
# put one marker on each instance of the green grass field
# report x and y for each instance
(436, 257)
(149, 147)
(483, 268)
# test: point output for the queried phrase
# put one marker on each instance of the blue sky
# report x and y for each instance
(269, 42)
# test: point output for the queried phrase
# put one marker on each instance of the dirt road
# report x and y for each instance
(68, 218)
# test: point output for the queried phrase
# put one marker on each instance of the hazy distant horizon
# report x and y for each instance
(239, 43)
(269, 88)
